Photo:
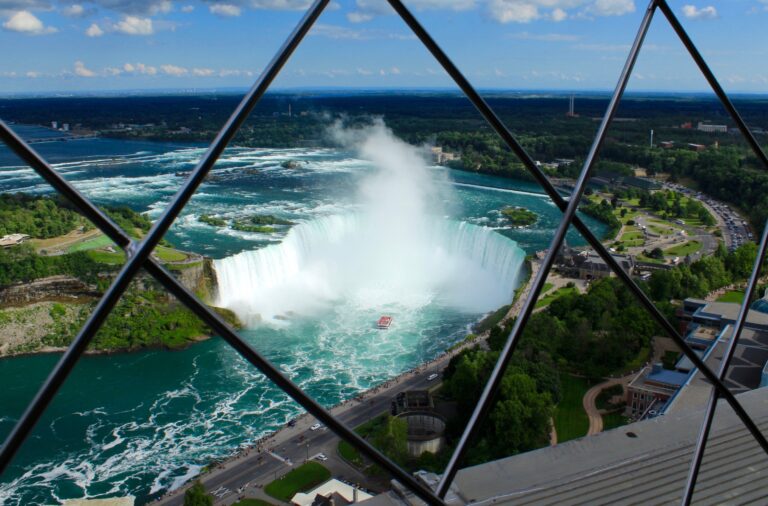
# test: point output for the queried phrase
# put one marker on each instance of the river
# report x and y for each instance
(143, 423)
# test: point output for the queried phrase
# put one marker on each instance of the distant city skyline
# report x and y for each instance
(578, 45)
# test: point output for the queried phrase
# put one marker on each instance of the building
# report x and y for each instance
(12, 240)
(440, 156)
(650, 390)
(412, 400)
(707, 328)
(426, 432)
(696, 147)
(667, 144)
(588, 265)
(709, 128)
(332, 492)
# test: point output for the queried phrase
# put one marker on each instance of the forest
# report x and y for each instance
(723, 167)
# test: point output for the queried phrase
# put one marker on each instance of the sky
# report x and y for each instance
(63, 46)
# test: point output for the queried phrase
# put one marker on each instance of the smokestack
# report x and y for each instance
(651, 137)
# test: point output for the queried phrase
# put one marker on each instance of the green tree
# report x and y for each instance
(392, 439)
(521, 417)
(196, 496)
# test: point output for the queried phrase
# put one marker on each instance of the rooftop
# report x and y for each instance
(641, 463)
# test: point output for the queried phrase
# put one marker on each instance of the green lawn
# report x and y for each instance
(643, 258)
(100, 241)
(732, 296)
(253, 502)
(547, 287)
(613, 420)
(350, 454)
(683, 249)
(570, 419)
(633, 237)
(169, 254)
(547, 299)
(164, 253)
(106, 257)
(301, 479)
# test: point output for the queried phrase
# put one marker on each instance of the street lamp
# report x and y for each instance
(307, 453)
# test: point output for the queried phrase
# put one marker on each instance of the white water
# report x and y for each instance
(337, 258)
(399, 249)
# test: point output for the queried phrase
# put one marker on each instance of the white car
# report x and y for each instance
(315, 426)
(432, 377)
(321, 457)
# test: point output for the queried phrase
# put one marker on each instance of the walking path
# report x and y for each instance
(518, 304)
(595, 418)
(552, 433)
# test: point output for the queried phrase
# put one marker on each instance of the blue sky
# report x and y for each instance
(68, 45)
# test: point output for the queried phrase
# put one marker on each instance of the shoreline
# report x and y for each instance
(49, 350)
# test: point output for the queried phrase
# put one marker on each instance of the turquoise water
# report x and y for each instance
(143, 423)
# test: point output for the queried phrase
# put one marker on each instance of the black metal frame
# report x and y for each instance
(138, 256)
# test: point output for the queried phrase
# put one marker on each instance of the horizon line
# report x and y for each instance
(127, 92)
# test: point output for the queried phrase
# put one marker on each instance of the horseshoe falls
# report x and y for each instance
(342, 259)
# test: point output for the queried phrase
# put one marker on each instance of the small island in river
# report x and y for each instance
(519, 216)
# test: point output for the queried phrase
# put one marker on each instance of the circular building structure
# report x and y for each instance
(426, 432)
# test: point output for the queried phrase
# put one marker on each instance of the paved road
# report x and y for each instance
(292, 445)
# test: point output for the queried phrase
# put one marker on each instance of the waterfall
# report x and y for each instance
(353, 259)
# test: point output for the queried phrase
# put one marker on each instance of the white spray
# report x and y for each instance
(399, 250)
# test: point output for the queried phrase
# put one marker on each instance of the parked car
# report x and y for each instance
(432, 377)
(321, 457)
(315, 426)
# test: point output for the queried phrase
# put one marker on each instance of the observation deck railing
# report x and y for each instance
(138, 256)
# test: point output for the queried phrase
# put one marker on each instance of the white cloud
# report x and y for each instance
(364, 72)
(367, 9)
(506, 11)
(279, 5)
(26, 22)
(693, 12)
(225, 10)
(188, 8)
(134, 25)
(394, 70)
(139, 68)
(32, 74)
(343, 32)
(358, 17)
(163, 7)
(612, 7)
(235, 72)
(94, 31)
(173, 70)
(526, 11)
(203, 72)
(73, 11)
(129, 7)
(545, 37)
(82, 71)
(559, 15)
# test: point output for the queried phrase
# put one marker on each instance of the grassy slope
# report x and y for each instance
(301, 479)
(571, 420)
